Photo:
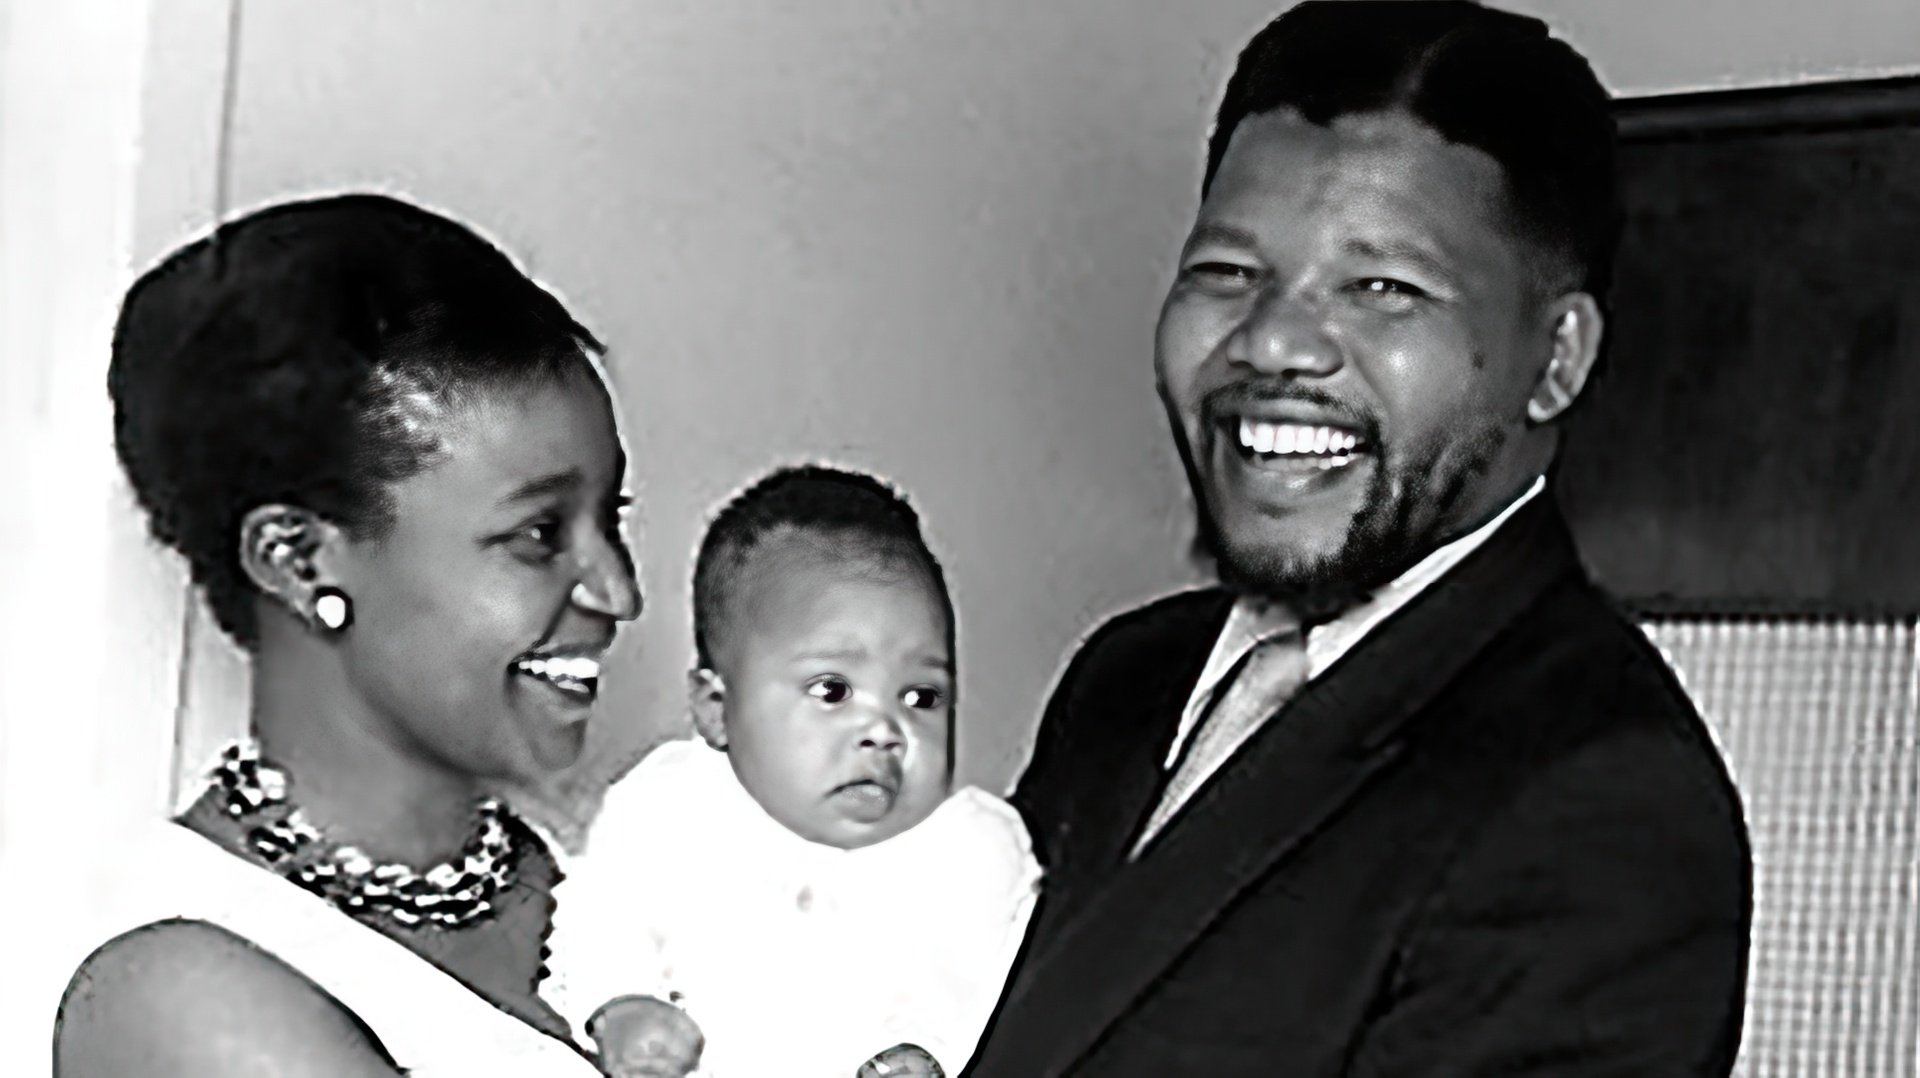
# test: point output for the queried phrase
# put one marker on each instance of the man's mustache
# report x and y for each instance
(1237, 397)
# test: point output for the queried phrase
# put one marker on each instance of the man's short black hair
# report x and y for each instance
(1493, 80)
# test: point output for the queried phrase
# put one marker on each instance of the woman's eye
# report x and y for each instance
(614, 518)
(538, 541)
(1387, 294)
(830, 689)
(923, 697)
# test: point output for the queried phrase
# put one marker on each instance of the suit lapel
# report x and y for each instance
(1282, 785)
(1136, 784)
(1115, 775)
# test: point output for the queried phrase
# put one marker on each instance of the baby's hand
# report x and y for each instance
(644, 1037)
(902, 1061)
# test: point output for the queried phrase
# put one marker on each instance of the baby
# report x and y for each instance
(798, 893)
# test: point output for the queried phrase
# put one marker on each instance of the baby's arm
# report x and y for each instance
(645, 1037)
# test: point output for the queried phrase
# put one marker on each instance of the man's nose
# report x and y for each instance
(1284, 336)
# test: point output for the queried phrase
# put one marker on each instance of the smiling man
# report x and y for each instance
(1406, 795)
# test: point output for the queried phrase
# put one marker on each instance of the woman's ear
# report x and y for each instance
(707, 700)
(1577, 326)
(283, 550)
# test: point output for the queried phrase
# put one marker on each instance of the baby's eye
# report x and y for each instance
(830, 689)
(923, 697)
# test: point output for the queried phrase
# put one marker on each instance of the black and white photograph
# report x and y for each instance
(960, 538)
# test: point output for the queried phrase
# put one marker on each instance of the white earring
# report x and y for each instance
(331, 608)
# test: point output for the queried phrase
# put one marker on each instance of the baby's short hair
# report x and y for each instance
(841, 515)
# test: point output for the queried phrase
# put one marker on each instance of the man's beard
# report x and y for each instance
(1406, 513)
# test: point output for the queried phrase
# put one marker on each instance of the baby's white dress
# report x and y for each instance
(796, 959)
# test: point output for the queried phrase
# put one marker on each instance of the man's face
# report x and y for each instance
(1347, 351)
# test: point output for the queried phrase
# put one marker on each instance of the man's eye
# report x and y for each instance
(1387, 294)
(830, 689)
(923, 697)
(1220, 272)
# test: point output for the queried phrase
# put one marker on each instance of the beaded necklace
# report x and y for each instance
(451, 894)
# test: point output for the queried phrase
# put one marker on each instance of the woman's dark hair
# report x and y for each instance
(287, 358)
(1493, 80)
(841, 516)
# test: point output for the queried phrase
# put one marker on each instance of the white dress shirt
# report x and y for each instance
(1253, 619)
(795, 958)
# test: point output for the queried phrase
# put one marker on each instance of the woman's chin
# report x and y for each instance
(555, 747)
(552, 723)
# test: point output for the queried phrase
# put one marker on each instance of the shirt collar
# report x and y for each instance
(1254, 619)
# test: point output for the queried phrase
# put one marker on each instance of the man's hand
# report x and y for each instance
(902, 1061)
(644, 1037)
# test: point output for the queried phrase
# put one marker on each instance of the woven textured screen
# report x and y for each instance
(1818, 723)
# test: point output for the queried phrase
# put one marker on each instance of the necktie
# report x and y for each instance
(1270, 674)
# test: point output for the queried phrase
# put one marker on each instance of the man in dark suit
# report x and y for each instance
(1407, 795)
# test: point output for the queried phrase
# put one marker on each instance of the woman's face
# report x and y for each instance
(480, 617)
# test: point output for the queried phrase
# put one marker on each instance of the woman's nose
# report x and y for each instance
(607, 585)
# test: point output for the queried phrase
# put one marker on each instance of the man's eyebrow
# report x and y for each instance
(551, 483)
(1400, 251)
(1220, 234)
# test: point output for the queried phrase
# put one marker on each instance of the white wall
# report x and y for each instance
(928, 239)
(90, 639)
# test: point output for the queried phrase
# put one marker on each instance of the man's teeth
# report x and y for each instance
(577, 668)
(1334, 446)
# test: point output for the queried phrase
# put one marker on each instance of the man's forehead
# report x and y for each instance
(1384, 179)
(1385, 154)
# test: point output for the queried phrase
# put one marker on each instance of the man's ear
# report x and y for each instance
(284, 551)
(1576, 326)
(707, 701)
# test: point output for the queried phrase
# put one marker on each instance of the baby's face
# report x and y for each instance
(838, 701)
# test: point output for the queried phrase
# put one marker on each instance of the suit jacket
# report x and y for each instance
(1494, 838)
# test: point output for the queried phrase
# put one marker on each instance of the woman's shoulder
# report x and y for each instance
(131, 999)
(251, 942)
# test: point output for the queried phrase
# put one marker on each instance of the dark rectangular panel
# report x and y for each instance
(1753, 440)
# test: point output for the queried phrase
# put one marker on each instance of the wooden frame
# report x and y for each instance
(1751, 445)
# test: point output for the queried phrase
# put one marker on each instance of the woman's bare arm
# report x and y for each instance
(187, 998)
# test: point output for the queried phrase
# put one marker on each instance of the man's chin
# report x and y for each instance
(1319, 576)
(1317, 590)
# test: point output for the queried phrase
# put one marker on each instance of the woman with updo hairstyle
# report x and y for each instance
(391, 464)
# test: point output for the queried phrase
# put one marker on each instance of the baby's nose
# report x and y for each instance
(883, 732)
